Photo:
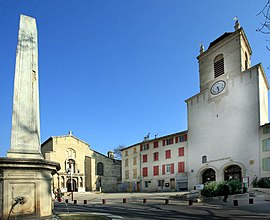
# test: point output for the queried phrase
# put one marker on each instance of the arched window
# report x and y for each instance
(62, 182)
(100, 169)
(70, 166)
(204, 159)
(218, 65)
(233, 172)
(246, 61)
(208, 176)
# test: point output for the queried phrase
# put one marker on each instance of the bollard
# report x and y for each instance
(235, 202)
(103, 201)
(66, 201)
(251, 201)
(75, 201)
(144, 200)
(124, 200)
(166, 201)
(84, 201)
(190, 202)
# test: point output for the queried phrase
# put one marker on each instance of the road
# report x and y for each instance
(155, 207)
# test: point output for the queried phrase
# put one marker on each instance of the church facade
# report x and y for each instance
(82, 169)
(228, 129)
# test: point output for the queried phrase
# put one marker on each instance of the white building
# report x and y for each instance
(228, 130)
(224, 119)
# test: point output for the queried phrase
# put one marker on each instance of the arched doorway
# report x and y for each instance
(71, 187)
(208, 175)
(233, 172)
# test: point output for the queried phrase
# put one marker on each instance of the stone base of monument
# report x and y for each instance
(25, 188)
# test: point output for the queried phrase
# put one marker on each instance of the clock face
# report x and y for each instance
(218, 87)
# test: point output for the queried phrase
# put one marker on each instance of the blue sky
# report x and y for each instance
(114, 70)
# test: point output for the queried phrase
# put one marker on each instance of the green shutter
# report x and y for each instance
(264, 145)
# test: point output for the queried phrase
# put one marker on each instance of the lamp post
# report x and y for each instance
(69, 170)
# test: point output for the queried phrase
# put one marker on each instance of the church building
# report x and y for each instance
(228, 130)
(82, 169)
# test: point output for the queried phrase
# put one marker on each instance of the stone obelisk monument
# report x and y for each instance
(25, 133)
(25, 177)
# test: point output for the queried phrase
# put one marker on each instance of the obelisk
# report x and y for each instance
(25, 133)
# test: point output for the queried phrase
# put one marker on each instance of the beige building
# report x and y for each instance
(156, 165)
(82, 169)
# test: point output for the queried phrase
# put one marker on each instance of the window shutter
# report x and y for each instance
(145, 173)
(180, 151)
(176, 140)
(144, 158)
(141, 147)
(181, 167)
(172, 168)
(185, 137)
(156, 169)
(163, 169)
(171, 141)
(163, 141)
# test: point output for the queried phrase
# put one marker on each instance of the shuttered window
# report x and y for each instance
(168, 154)
(156, 170)
(145, 158)
(181, 167)
(181, 152)
(172, 168)
(266, 145)
(266, 164)
(145, 171)
(218, 65)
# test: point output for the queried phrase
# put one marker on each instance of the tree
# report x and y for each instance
(117, 152)
(265, 25)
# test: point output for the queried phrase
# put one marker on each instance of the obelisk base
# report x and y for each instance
(26, 154)
(25, 188)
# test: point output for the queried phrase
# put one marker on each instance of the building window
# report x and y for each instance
(146, 184)
(246, 61)
(181, 138)
(135, 150)
(168, 168)
(134, 161)
(155, 144)
(156, 170)
(204, 159)
(181, 167)
(145, 171)
(134, 173)
(145, 158)
(160, 183)
(62, 181)
(167, 141)
(81, 182)
(266, 145)
(266, 164)
(168, 154)
(155, 156)
(181, 152)
(126, 152)
(126, 162)
(218, 65)
(266, 130)
(127, 174)
(70, 166)
(144, 146)
(100, 169)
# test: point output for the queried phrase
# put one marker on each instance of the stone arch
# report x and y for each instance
(234, 163)
(70, 153)
(202, 170)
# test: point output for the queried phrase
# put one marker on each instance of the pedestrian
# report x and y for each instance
(226, 191)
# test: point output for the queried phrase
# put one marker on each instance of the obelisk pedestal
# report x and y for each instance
(25, 177)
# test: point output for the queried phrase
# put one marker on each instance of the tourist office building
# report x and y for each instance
(228, 135)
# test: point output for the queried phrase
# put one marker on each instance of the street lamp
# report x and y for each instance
(69, 170)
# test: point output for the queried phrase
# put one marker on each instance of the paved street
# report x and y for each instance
(155, 207)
